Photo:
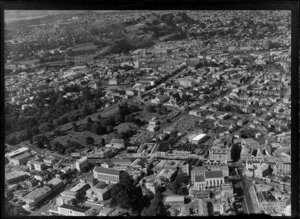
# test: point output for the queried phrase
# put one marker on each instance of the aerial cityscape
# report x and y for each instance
(147, 113)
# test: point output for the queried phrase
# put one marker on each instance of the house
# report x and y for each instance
(20, 159)
(116, 143)
(153, 125)
(56, 184)
(113, 81)
(41, 176)
(160, 99)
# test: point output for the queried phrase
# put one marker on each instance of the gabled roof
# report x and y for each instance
(214, 174)
(106, 170)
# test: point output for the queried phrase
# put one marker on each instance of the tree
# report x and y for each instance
(39, 140)
(74, 126)
(156, 207)
(90, 140)
(235, 152)
(103, 142)
(176, 185)
(150, 109)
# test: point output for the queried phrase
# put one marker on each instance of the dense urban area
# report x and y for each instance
(148, 113)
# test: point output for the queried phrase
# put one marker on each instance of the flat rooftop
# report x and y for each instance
(106, 170)
(18, 151)
(38, 192)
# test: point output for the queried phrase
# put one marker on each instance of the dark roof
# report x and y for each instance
(106, 170)
(163, 98)
(214, 174)
(199, 178)
(101, 185)
(76, 208)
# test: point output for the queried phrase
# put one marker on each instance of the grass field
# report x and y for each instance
(79, 137)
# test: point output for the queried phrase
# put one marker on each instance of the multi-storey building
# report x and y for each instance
(106, 174)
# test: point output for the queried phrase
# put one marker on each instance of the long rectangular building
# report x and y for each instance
(106, 174)
(36, 196)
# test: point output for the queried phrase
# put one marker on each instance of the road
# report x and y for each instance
(247, 200)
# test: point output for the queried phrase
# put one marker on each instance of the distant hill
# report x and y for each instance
(146, 30)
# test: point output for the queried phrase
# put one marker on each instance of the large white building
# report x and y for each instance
(205, 179)
(106, 174)
(81, 163)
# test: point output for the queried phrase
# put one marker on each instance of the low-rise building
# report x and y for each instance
(15, 177)
(99, 192)
(35, 197)
(81, 164)
(106, 174)
(71, 210)
(174, 200)
(20, 159)
(56, 184)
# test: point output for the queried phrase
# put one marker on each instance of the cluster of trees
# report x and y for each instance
(14, 211)
(178, 186)
(235, 152)
(248, 133)
(230, 108)
(127, 195)
(23, 125)
(156, 207)
(187, 147)
(105, 125)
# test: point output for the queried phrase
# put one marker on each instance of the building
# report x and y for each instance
(38, 165)
(56, 184)
(196, 138)
(227, 190)
(99, 154)
(15, 177)
(17, 152)
(205, 179)
(160, 99)
(99, 192)
(81, 164)
(35, 197)
(116, 143)
(153, 125)
(66, 197)
(281, 168)
(113, 81)
(49, 161)
(20, 159)
(106, 174)
(174, 200)
(165, 175)
(219, 154)
(121, 164)
(80, 189)
(70, 210)
(186, 82)
(262, 170)
(41, 176)
(267, 202)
